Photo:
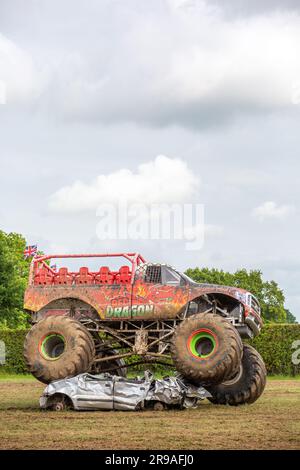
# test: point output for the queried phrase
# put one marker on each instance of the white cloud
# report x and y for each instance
(202, 231)
(183, 74)
(212, 230)
(163, 180)
(164, 66)
(239, 8)
(271, 210)
(18, 75)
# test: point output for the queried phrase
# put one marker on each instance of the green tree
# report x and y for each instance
(290, 318)
(268, 293)
(13, 278)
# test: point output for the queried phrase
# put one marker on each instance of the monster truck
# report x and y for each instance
(108, 320)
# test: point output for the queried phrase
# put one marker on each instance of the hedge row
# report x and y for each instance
(13, 340)
(277, 345)
(274, 344)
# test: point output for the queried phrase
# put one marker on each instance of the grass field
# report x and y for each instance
(273, 422)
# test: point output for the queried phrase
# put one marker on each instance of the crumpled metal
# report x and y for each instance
(111, 392)
(176, 391)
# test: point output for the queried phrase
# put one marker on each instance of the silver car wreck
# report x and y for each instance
(111, 392)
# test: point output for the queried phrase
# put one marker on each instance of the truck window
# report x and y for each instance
(153, 274)
(172, 278)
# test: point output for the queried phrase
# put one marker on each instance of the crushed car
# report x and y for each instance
(111, 392)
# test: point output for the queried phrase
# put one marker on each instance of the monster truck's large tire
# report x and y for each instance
(206, 349)
(58, 347)
(246, 386)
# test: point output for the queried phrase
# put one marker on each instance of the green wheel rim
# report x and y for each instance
(52, 346)
(202, 340)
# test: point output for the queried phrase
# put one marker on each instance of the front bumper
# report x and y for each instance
(254, 323)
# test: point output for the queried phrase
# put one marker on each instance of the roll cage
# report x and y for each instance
(41, 261)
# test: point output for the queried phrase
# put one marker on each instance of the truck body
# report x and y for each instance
(137, 291)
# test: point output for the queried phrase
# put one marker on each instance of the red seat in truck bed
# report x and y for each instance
(104, 276)
(63, 277)
(84, 276)
(123, 276)
(43, 277)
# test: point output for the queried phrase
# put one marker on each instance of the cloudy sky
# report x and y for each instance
(156, 102)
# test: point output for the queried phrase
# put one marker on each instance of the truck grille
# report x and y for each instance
(255, 305)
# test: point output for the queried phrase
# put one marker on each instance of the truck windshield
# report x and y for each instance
(188, 279)
(171, 277)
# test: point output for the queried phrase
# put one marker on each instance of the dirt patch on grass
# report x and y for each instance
(271, 423)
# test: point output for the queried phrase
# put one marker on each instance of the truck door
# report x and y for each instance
(158, 292)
